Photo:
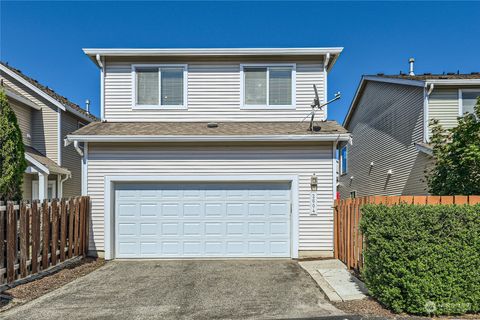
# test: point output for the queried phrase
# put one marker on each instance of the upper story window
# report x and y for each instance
(343, 160)
(268, 86)
(160, 86)
(468, 100)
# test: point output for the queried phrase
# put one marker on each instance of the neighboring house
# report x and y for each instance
(389, 121)
(203, 153)
(45, 118)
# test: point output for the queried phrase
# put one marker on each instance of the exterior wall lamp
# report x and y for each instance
(313, 182)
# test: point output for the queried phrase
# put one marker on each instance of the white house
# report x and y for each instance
(202, 153)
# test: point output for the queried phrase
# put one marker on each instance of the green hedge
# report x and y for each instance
(423, 259)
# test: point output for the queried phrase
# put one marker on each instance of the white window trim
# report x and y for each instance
(267, 106)
(460, 99)
(159, 106)
(36, 191)
(342, 170)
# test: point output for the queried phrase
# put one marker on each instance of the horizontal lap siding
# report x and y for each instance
(213, 94)
(70, 158)
(387, 122)
(44, 122)
(316, 232)
(24, 120)
(443, 106)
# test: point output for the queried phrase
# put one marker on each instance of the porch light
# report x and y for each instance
(313, 182)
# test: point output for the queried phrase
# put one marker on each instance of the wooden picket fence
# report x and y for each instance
(35, 237)
(348, 240)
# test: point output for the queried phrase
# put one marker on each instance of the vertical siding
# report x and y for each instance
(213, 94)
(387, 122)
(44, 121)
(24, 119)
(316, 232)
(70, 158)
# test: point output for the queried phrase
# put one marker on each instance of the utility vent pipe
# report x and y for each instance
(87, 105)
(411, 61)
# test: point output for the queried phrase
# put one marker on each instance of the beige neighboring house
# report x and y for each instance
(202, 153)
(389, 121)
(45, 118)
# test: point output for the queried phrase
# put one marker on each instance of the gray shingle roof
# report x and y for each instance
(63, 100)
(201, 128)
(423, 77)
(46, 161)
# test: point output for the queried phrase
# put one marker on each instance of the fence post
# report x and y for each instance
(63, 229)
(77, 228)
(46, 234)
(71, 221)
(54, 232)
(11, 238)
(35, 236)
(23, 239)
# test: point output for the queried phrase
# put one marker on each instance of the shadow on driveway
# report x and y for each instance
(185, 289)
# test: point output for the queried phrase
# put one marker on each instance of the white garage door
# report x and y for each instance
(202, 220)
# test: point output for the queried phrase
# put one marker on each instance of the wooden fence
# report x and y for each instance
(35, 237)
(348, 240)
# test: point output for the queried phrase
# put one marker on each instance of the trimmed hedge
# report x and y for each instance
(423, 259)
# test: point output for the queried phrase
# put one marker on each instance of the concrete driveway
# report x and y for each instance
(186, 289)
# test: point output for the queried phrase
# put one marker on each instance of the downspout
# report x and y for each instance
(77, 147)
(67, 176)
(426, 111)
(102, 80)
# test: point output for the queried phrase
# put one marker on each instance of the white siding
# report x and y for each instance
(213, 94)
(315, 232)
(24, 120)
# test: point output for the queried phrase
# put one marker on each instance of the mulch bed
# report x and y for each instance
(32, 290)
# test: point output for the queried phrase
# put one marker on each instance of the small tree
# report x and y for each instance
(457, 157)
(12, 153)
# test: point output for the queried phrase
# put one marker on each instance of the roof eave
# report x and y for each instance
(203, 138)
(454, 81)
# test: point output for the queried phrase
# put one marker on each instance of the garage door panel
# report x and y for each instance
(202, 220)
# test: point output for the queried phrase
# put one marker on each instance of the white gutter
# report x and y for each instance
(60, 187)
(454, 81)
(199, 138)
(77, 147)
(209, 51)
(102, 86)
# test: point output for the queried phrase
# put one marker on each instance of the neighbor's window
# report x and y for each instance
(343, 160)
(469, 100)
(159, 86)
(268, 86)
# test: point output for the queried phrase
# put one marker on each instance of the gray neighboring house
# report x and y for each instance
(45, 118)
(389, 121)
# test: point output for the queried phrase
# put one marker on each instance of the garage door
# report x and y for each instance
(202, 220)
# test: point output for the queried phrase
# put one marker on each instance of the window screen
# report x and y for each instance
(255, 86)
(147, 86)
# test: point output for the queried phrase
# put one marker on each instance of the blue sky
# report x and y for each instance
(44, 39)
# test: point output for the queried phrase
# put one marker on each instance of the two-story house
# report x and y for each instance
(389, 121)
(203, 153)
(45, 118)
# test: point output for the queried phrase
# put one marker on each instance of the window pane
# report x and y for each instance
(343, 164)
(255, 86)
(147, 86)
(172, 87)
(469, 99)
(280, 86)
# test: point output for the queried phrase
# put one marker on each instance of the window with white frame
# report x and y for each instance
(343, 160)
(160, 86)
(269, 86)
(468, 100)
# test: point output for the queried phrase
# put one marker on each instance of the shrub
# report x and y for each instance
(12, 153)
(423, 259)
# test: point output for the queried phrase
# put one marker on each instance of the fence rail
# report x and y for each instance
(35, 237)
(348, 240)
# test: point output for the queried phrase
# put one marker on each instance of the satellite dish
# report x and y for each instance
(316, 106)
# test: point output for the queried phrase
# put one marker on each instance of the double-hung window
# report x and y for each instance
(162, 87)
(468, 100)
(268, 86)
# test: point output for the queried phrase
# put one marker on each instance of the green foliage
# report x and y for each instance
(423, 259)
(12, 153)
(457, 157)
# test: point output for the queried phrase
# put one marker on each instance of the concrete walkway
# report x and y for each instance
(335, 280)
(247, 289)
